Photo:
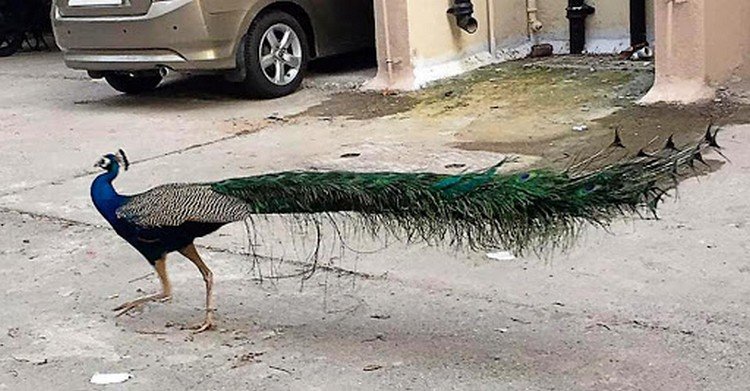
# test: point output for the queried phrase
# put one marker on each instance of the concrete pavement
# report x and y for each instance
(650, 305)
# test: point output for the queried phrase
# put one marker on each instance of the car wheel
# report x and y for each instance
(276, 55)
(133, 83)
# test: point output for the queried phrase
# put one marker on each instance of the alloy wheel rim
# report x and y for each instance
(280, 54)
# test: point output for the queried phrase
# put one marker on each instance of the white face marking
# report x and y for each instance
(104, 162)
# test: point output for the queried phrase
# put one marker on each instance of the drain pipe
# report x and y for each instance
(578, 11)
(638, 23)
(463, 10)
(387, 34)
(533, 24)
(491, 28)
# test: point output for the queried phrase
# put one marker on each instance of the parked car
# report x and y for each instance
(263, 44)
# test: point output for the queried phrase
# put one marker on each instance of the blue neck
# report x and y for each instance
(105, 196)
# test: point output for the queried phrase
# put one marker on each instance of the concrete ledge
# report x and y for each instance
(678, 91)
(426, 71)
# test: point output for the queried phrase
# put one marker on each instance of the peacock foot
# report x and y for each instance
(208, 324)
(131, 305)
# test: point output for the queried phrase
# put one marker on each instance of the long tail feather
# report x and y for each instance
(520, 211)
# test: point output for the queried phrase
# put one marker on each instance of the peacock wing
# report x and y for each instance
(176, 204)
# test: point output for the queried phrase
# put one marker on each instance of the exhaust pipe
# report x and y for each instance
(163, 71)
(463, 11)
(96, 74)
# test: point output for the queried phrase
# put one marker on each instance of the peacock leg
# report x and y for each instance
(166, 290)
(192, 254)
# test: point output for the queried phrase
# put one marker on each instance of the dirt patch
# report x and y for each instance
(521, 102)
(582, 84)
(556, 108)
(362, 105)
(645, 127)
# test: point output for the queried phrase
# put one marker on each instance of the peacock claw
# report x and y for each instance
(208, 323)
(202, 328)
(131, 305)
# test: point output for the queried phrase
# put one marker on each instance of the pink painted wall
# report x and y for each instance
(727, 27)
(700, 44)
(395, 70)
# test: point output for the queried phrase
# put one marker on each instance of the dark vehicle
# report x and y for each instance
(23, 21)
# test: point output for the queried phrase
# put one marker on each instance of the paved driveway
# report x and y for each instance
(651, 305)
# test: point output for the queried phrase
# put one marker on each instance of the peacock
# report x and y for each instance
(487, 209)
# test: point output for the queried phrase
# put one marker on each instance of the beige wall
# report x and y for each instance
(434, 34)
(607, 30)
(699, 44)
(510, 22)
(395, 70)
(703, 43)
(426, 44)
(727, 28)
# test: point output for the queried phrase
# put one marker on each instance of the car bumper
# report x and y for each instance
(177, 34)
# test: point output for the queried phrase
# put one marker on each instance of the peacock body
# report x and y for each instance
(481, 210)
(152, 241)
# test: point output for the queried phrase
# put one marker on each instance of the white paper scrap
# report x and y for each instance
(501, 256)
(110, 378)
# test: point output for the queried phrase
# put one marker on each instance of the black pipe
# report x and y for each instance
(638, 23)
(577, 13)
(463, 10)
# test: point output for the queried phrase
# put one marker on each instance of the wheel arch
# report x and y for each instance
(298, 9)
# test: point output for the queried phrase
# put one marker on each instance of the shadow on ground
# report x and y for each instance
(345, 71)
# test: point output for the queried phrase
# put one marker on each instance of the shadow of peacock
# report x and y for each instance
(534, 210)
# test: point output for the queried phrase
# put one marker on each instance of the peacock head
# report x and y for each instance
(112, 162)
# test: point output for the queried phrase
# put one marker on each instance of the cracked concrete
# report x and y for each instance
(651, 305)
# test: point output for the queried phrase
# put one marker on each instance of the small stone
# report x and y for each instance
(276, 117)
(580, 128)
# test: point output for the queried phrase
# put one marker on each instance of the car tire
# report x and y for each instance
(275, 71)
(130, 83)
